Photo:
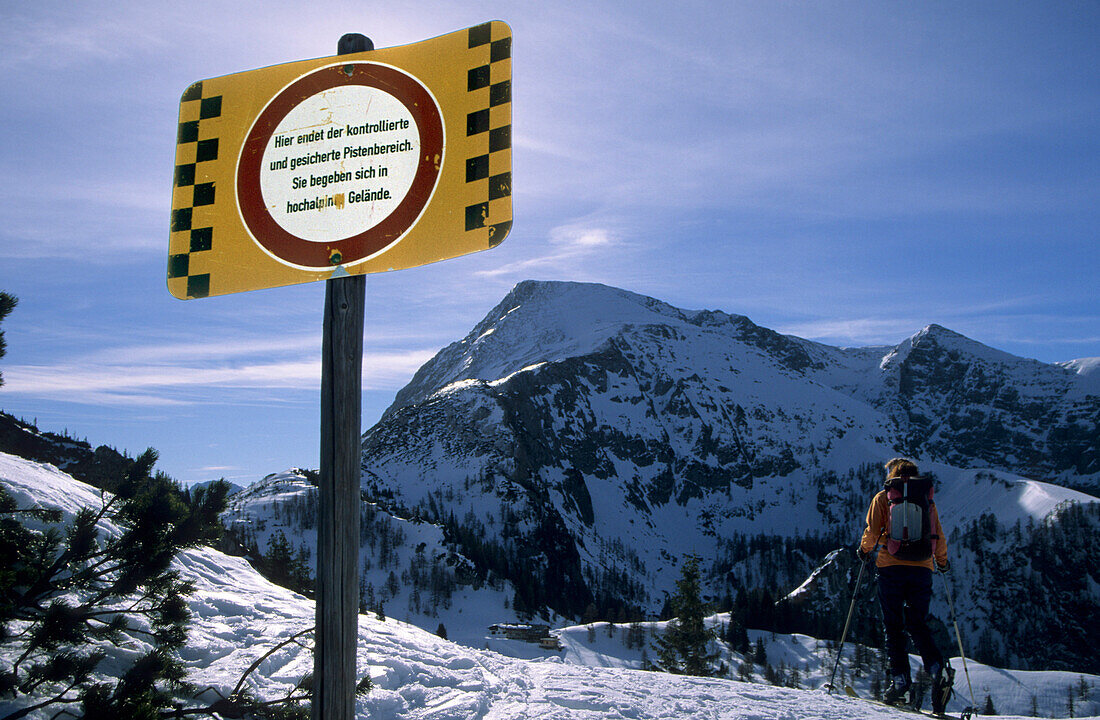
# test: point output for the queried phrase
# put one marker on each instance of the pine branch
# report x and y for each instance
(82, 519)
(237, 706)
(292, 639)
(59, 698)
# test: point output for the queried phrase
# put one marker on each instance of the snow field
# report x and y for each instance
(603, 646)
(238, 616)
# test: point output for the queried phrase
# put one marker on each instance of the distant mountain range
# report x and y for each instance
(581, 440)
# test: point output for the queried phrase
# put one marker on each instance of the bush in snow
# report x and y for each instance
(70, 592)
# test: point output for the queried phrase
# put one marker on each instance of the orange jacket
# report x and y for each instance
(876, 530)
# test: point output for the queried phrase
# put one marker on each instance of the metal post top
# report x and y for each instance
(353, 43)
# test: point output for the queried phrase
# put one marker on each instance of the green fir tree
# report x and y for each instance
(7, 304)
(683, 648)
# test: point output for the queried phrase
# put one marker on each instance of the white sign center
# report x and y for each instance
(339, 163)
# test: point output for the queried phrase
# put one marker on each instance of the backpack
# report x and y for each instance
(909, 519)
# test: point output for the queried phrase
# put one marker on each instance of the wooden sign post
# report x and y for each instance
(337, 586)
(337, 581)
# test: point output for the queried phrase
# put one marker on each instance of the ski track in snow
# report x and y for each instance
(477, 684)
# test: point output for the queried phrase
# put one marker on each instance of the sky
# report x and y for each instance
(848, 172)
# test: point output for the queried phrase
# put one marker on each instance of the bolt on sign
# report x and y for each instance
(344, 165)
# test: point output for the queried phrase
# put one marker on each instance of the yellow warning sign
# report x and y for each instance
(350, 164)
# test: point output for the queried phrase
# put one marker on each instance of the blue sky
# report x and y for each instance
(844, 171)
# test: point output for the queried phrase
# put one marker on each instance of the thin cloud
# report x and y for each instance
(581, 237)
(1014, 333)
(856, 332)
(570, 247)
(66, 381)
(560, 151)
(208, 351)
(165, 384)
(68, 37)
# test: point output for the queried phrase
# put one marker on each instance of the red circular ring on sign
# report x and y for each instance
(299, 251)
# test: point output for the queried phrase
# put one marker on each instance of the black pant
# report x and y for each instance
(904, 593)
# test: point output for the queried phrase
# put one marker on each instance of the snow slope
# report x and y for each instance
(238, 616)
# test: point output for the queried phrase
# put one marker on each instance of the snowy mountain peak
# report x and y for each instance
(938, 331)
(947, 340)
(545, 322)
(577, 306)
(536, 322)
(938, 339)
(1087, 371)
(1084, 366)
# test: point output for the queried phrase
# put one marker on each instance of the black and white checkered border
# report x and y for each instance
(200, 239)
(497, 138)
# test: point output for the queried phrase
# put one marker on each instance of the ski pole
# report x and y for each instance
(958, 636)
(843, 635)
(848, 620)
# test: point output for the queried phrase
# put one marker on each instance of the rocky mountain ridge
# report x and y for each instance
(936, 394)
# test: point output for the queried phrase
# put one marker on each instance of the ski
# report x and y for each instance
(966, 715)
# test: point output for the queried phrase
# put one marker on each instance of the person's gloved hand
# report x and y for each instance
(944, 567)
(862, 554)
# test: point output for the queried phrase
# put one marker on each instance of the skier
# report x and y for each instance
(904, 514)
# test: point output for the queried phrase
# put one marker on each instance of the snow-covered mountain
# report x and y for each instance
(238, 617)
(406, 568)
(581, 440)
(937, 394)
